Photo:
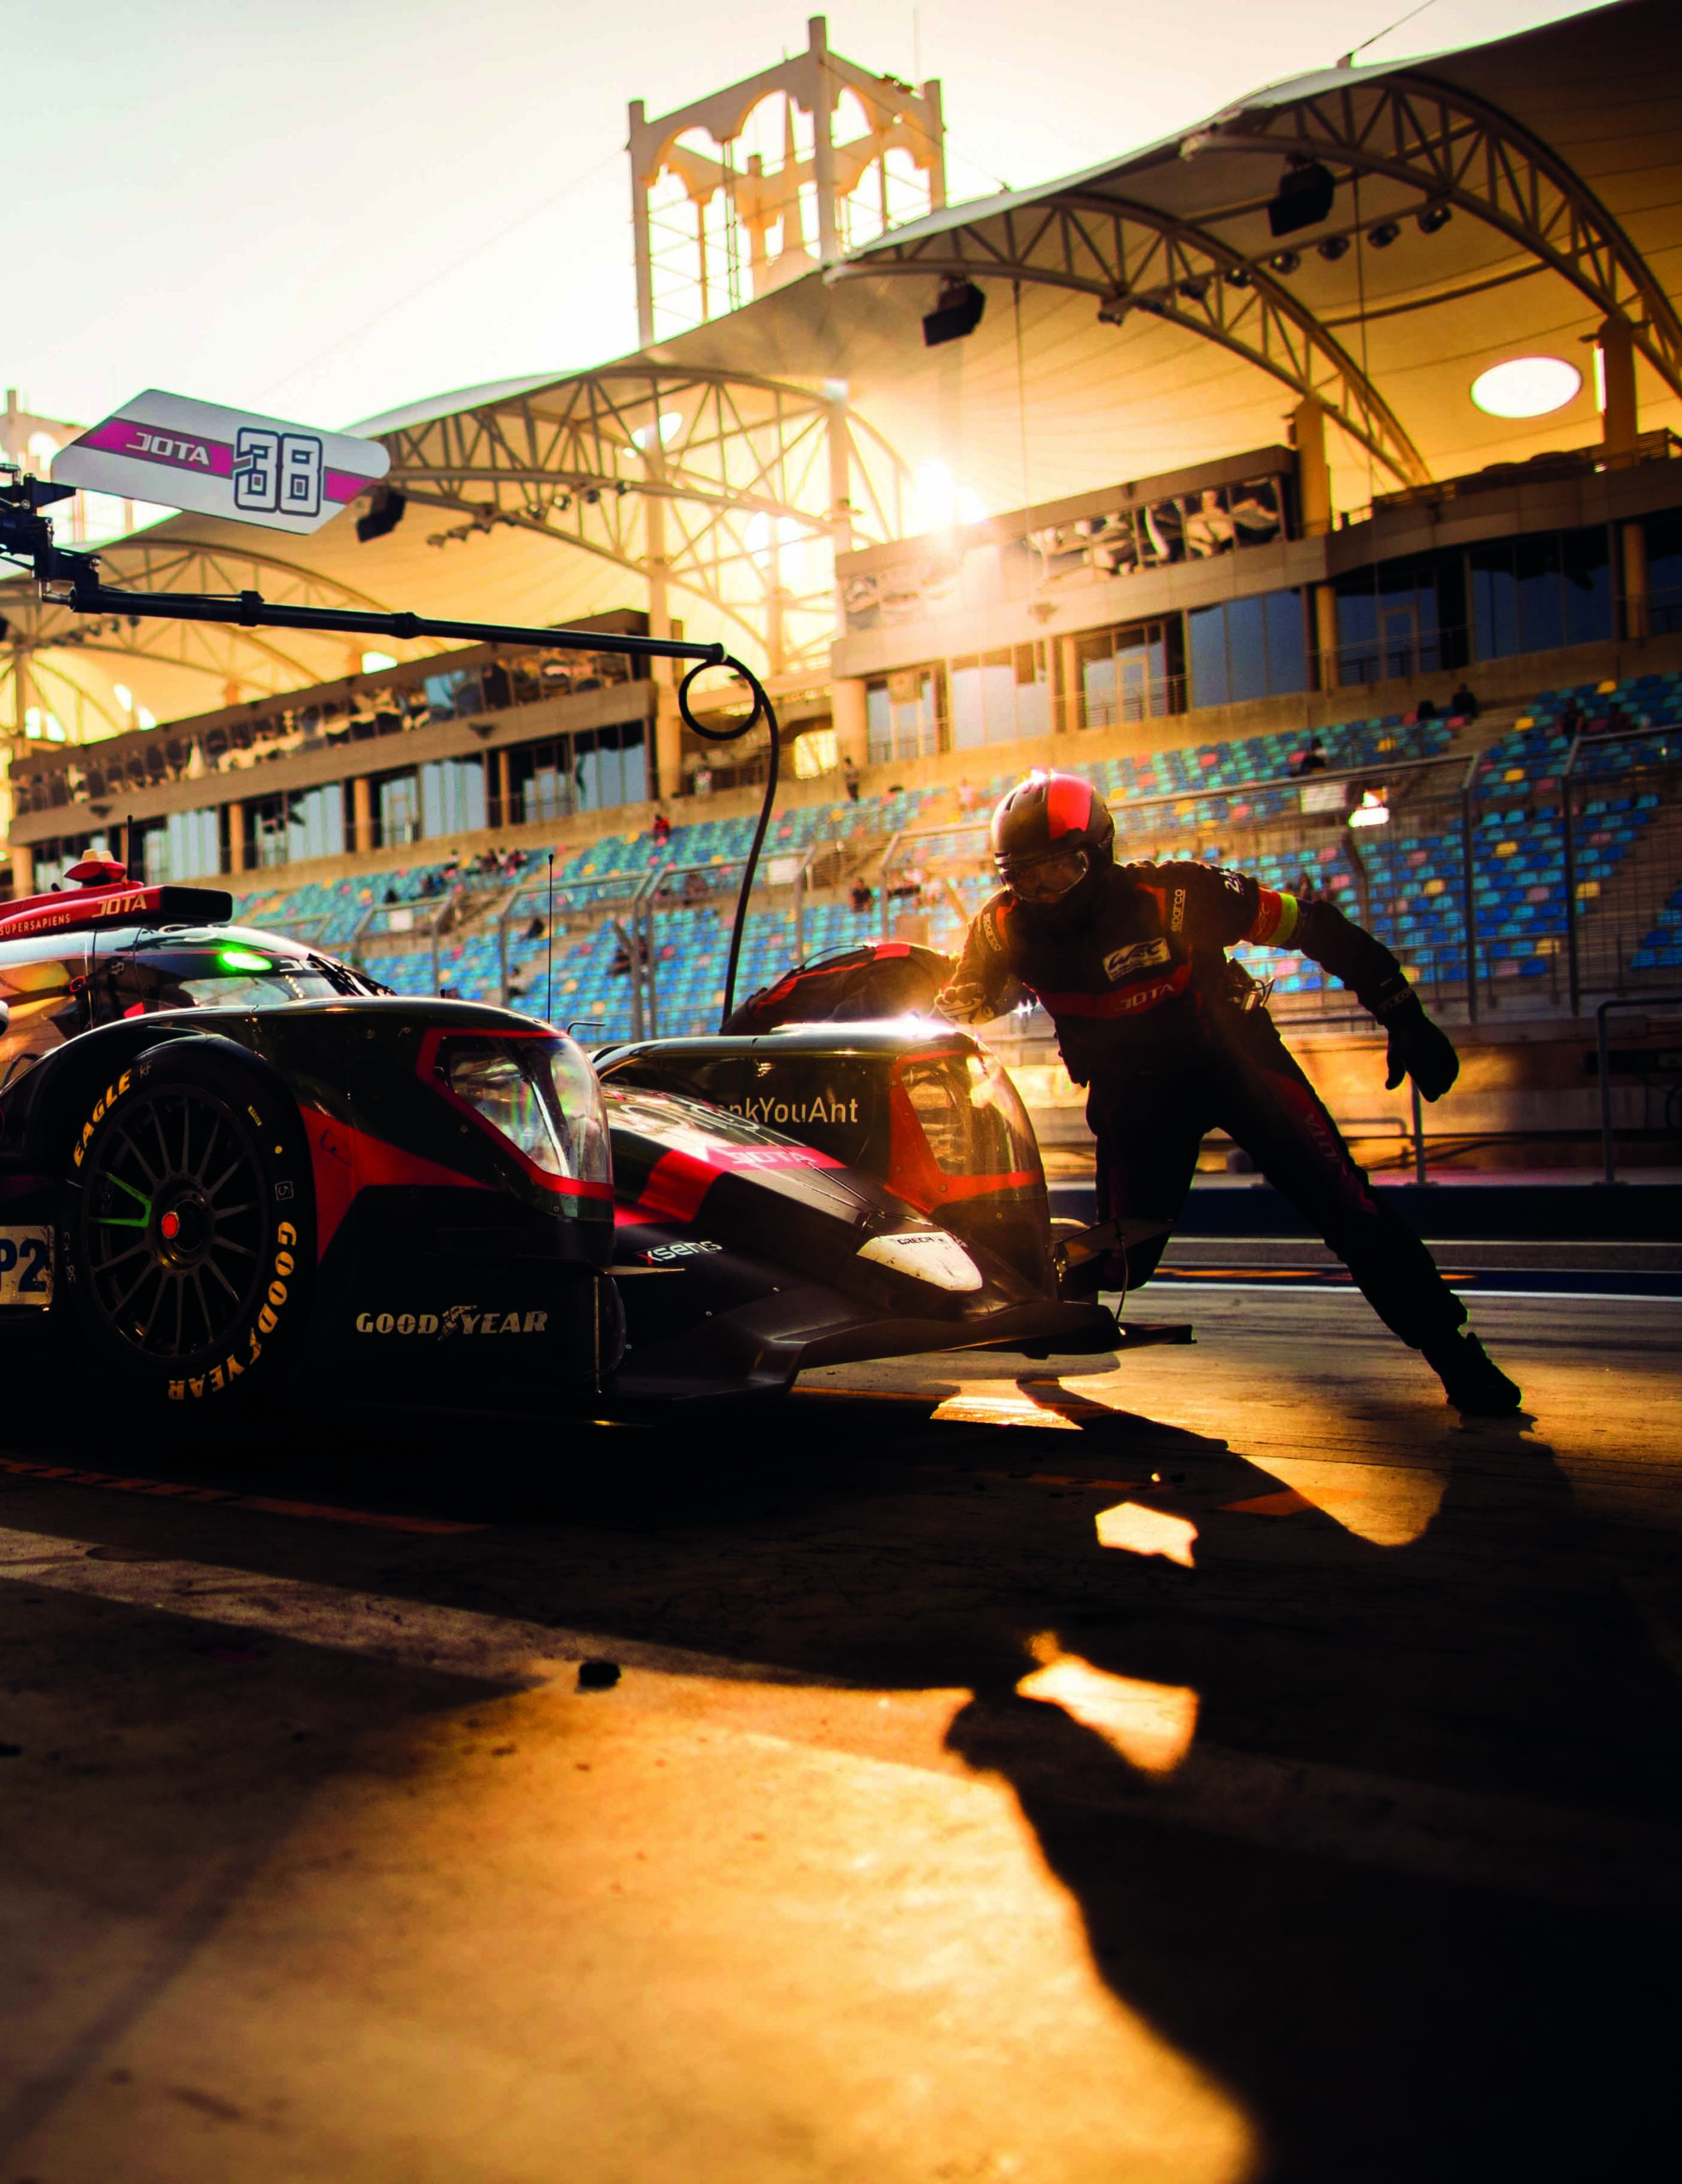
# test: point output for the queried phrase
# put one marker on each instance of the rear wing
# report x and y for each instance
(122, 904)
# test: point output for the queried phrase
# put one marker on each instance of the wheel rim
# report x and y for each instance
(174, 1224)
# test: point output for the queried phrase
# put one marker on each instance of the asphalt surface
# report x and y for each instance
(1219, 1763)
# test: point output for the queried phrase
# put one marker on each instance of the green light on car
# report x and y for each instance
(242, 959)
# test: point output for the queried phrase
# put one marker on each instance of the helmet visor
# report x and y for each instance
(1045, 879)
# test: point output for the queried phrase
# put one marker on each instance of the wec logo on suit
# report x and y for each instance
(1141, 956)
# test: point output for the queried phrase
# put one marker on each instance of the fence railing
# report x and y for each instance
(1505, 887)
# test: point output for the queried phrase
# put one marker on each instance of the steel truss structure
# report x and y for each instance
(1131, 257)
(1459, 152)
(1455, 151)
(38, 628)
(734, 489)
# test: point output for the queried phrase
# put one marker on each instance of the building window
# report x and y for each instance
(817, 752)
(397, 819)
(286, 829)
(187, 845)
(1400, 619)
(587, 772)
(1664, 574)
(1127, 674)
(1247, 648)
(610, 765)
(1538, 593)
(902, 713)
(999, 697)
(452, 797)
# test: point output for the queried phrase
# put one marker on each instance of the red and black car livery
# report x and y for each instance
(226, 1159)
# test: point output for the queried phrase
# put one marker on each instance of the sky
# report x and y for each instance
(326, 209)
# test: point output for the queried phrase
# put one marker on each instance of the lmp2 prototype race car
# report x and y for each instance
(228, 1161)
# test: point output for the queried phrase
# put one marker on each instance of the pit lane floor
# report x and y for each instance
(1217, 1764)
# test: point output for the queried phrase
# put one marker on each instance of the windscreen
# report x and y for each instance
(226, 975)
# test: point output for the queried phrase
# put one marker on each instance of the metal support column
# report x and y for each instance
(1469, 886)
(1574, 982)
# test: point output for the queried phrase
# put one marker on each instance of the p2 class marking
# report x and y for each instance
(26, 1266)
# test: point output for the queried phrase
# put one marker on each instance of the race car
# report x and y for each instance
(227, 1160)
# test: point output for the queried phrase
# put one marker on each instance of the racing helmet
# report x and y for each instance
(1052, 837)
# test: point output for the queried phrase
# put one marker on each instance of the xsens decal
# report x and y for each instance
(1177, 923)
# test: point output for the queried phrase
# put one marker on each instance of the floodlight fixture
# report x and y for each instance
(1431, 220)
(1285, 261)
(1306, 191)
(1382, 237)
(1332, 247)
(1527, 386)
(957, 314)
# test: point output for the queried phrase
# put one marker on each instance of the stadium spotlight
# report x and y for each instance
(1305, 192)
(1431, 220)
(1526, 387)
(1333, 248)
(383, 516)
(1237, 276)
(958, 313)
(1194, 290)
(1383, 235)
(1285, 261)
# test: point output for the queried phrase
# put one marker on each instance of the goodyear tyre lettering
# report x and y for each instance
(102, 1106)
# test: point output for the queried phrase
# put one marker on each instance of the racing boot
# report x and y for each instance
(1471, 1380)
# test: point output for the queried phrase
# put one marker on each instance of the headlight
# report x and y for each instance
(930, 1255)
(538, 1094)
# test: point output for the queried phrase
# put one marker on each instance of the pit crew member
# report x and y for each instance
(1172, 1041)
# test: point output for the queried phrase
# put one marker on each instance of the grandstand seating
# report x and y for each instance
(1411, 897)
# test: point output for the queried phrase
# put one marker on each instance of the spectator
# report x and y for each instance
(861, 897)
(696, 889)
(850, 778)
(1573, 720)
(390, 895)
(1462, 705)
(701, 781)
(1307, 888)
(534, 930)
(1425, 709)
(1312, 761)
(968, 799)
(908, 886)
(660, 829)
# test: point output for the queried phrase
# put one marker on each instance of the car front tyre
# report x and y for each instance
(190, 1227)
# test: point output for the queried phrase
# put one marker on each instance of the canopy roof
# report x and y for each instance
(1140, 317)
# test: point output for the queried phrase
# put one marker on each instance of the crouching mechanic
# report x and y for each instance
(1173, 1042)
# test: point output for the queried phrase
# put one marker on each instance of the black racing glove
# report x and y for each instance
(1419, 1049)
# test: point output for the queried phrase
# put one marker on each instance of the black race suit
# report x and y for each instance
(1149, 1016)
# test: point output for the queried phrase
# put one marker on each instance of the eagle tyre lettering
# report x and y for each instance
(190, 1228)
